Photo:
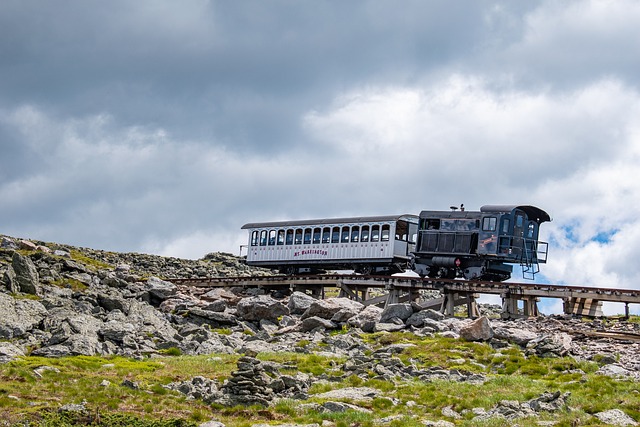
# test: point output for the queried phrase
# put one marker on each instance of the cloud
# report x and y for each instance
(149, 126)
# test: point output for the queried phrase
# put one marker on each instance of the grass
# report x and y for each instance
(28, 392)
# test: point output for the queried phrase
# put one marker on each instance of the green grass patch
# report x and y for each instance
(32, 389)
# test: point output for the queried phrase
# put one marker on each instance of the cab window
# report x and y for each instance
(489, 223)
(505, 225)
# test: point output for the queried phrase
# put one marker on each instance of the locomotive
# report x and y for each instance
(476, 245)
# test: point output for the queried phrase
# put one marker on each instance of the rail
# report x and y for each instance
(630, 296)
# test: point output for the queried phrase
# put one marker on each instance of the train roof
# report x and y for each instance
(533, 213)
(325, 221)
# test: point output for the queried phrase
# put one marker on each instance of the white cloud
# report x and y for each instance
(572, 153)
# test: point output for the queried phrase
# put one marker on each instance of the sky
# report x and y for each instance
(162, 127)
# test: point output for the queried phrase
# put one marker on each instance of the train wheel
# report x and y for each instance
(289, 270)
(365, 269)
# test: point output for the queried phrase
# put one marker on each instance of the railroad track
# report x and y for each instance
(577, 297)
(616, 335)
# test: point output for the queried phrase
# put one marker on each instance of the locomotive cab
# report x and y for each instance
(481, 244)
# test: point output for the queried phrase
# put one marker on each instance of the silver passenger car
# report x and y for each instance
(367, 245)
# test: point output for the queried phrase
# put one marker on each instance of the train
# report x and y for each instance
(458, 243)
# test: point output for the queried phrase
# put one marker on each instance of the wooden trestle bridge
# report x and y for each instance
(518, 299)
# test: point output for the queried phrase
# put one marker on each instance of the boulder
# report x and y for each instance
(399, 311)
(26, 272)
(260, 307)
(479, 330)
(10, 282)
(366, 319)
(553, 345)
(514, 335)
(19, 316)
(310, 323)
(615, 417)
(327, 308)
(299, 302)
(160, 289)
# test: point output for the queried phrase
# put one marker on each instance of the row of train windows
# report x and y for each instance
(374, 233)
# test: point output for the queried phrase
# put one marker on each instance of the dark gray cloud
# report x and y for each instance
(163, 127)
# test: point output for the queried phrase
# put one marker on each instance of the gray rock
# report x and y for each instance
(160, 289)
(615, 371)
(366, 319)
(615, 417)
(9, 281)
(7, 243)
(310, 323)
(327, 308)
(260, 307)
(440, 423)
(26, 274)
(19, 316)
(514, 335)
(479, 330)
(554, 345)
(342, 407)
(345, 314)
(9, 352)
(400, 311)
(299, 302)
(388, 327)
(218, 306)
(212, 423)
(352, 393)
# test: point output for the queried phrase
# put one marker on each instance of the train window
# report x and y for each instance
(375, 233)
(335, 235)
(531, 230)
(298, 240)
(280, 237)
(307, 236)
(505, 225)
(272, 237)
(386, 231)
(431, 224)
(489, 223)
(345, 235)
(413, 233)
(519, 221)
(326, 235)
(263, 238)
(289, 239)
(355, 234)
(402, 230)
(316, 235)
(254, 238)
(364, 235)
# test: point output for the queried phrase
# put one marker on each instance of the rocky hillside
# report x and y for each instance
(58, 301)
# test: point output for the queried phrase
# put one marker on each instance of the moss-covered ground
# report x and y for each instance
(32, 396)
